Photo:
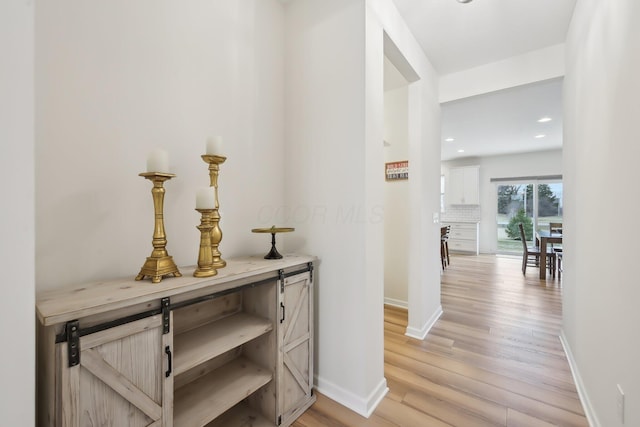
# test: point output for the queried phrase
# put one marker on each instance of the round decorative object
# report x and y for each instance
(273, 253)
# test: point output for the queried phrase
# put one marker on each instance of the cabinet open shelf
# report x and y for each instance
(208, 397)
(212, 339)
(239, 416)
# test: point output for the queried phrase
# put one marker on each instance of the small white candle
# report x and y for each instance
(206, 198)
(214, 146)
(158, 161)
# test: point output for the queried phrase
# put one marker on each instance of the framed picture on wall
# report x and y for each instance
(394, 171)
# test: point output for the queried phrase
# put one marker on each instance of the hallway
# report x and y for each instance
(493, 358)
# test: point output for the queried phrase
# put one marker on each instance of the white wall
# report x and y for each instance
(334, 113)
(537, 163)
(116, 79)
(396, 199)
(17, 363)
(601, 152)
(325, 111)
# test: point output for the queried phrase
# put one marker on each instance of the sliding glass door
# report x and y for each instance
(549, 203)
(534, 204)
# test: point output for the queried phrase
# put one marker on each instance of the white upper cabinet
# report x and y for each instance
(464, 186)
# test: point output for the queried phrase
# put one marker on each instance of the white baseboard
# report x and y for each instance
(424, 330)
(582, 392)
(362, 406)
(396, 303)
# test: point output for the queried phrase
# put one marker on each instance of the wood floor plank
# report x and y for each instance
(435, 366)
(494, 357)
(518, 419)
(476, 405)
(404, 415)
(327, 411)
(444, 411)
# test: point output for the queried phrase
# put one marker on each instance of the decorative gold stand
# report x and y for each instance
(205, 258)
(273, 253)
(159, 264)
(216, 233)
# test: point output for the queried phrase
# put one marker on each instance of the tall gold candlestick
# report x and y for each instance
(216, 233)
(159, 264)
(205, 258)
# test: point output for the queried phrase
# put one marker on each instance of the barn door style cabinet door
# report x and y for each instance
(232, 350)
(296, 346)
(117, 377)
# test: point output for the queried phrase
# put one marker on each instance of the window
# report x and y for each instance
(534, 204)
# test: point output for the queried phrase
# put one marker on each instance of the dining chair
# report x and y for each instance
(555, 227)
(444, 245)
(531, 254)
(559, 262)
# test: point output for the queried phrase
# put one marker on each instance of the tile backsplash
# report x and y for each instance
(461, 213)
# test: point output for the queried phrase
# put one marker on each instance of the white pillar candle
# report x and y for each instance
(214, 146)
(206, 198)
(158, 161)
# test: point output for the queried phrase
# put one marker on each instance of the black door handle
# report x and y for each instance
(282, 307)
(167, 351)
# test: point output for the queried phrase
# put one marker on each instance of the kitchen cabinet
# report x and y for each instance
(235, 349)
(463, 237)
(464, 186)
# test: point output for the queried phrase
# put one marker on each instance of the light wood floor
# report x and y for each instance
(493, 358)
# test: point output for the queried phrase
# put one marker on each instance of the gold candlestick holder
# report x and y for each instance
(205, 257)
(159, 264)
(216, 233)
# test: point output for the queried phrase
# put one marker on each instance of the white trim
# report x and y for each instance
(422, 332)
(396, 303)
(582, 391)
(364, 407)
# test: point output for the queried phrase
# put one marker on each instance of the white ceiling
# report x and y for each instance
(459, 36)
(504, 122)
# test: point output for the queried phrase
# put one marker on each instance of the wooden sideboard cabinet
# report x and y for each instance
(232, 350)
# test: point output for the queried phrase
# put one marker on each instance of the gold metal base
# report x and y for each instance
(219, 263)
(205, 273)
(157, 268)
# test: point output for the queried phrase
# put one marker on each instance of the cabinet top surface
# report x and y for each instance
(69, 303)
(469, 222)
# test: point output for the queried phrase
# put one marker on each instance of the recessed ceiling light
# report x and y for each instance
(544, 120)
(461, 151)
(540, 136)
(449, 139)
(465, 1)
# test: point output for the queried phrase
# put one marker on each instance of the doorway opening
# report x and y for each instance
(396, 191)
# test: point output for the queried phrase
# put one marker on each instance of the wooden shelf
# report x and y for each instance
(241, 415)
(201, 401)
(212, 339)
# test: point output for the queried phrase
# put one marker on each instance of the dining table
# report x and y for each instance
(543, 238)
